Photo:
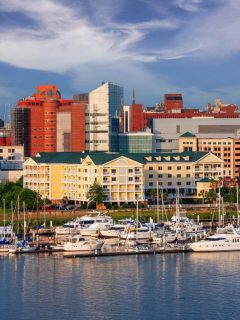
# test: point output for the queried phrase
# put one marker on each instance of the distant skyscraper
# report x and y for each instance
(104, 103)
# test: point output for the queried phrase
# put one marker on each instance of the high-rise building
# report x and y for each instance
(44, 122)
(104, 103)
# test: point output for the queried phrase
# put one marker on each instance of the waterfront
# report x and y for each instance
(171, 286)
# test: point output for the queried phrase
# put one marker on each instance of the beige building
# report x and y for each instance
(228, 149)
(11, 163)
(123, 178)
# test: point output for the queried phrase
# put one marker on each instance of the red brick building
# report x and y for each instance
(44, 122)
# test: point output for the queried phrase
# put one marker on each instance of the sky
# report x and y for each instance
(154, 46)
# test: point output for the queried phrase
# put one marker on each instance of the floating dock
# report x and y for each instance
(125, 253)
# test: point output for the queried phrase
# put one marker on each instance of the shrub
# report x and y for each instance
(83, 206)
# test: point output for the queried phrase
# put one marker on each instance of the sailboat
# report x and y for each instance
(137, 231)
(6, 233)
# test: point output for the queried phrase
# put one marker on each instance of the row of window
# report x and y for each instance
(179, 183)
(169, 175)
(214, 143)
(9, 158)
(9, 150)
(163, 140)
(169, 168)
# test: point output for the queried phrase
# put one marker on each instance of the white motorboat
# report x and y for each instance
(57, 247)
(78, 243)
(223, 240)
(65, 231)
(6, 247)
(136, 233)
(110, 233)
(102, 222)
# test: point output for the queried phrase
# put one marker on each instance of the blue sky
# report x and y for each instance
(155, 46)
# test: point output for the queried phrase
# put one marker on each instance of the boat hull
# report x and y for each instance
(83, 247)
(215, 248)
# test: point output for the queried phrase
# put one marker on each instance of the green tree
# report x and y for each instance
(95, 193)
(203, 194)
(211, 196)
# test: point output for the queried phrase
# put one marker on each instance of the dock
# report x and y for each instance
(126, 253)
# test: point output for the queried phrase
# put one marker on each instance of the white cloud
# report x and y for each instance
(65, 39)
(212, 35)
(189, 5)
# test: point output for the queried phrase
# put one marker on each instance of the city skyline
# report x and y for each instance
(186, 46)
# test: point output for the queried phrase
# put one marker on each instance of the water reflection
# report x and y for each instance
(180, 286)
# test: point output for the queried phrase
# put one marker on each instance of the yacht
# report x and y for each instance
(115, 230)
(136, 233)
(226, 239)
(101, 222)
(78, 243)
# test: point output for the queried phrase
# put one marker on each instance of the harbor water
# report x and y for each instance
(169, 286)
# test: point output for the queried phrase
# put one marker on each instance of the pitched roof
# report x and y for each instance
(59, 157)
(188, 135)
(102, 157)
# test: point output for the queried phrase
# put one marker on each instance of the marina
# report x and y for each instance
(137, 287)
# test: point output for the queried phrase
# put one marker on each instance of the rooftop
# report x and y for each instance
(102, 157)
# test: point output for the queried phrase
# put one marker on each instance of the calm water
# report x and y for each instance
(174, 286)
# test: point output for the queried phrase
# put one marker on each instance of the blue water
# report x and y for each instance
(171, 286)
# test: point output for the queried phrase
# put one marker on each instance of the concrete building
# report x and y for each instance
(124, 178)
(11, 163)
(167, 131)
(104, 103)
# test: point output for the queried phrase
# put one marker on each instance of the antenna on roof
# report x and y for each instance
(133, 96)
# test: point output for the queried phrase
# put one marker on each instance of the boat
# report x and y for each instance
(101, 222)
(42, 230)
(136, 233)
(6, 247)
(225, 239)
(78, 243)
(28, 247)
(57, 247)
(115, 230)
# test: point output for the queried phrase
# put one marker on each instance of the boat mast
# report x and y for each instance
(219, 206)
(37, 220)
(18, 215)
(157, 203)
(237, 190)
(4, 219)
(177, 203)
(24, 222)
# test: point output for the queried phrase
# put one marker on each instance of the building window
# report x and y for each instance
(150, 176)
(169, 183)
(114, 179)
(169, 168)
(179, 175)
(188, 175)
(1, 150)
(188, 183)
(160, 176)
(150, 184)
(189, 168)
(130, 170)
(169, 175)
(150, 168)
(160, 168)
(178, 168)
(130, 178)
(179, 183)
